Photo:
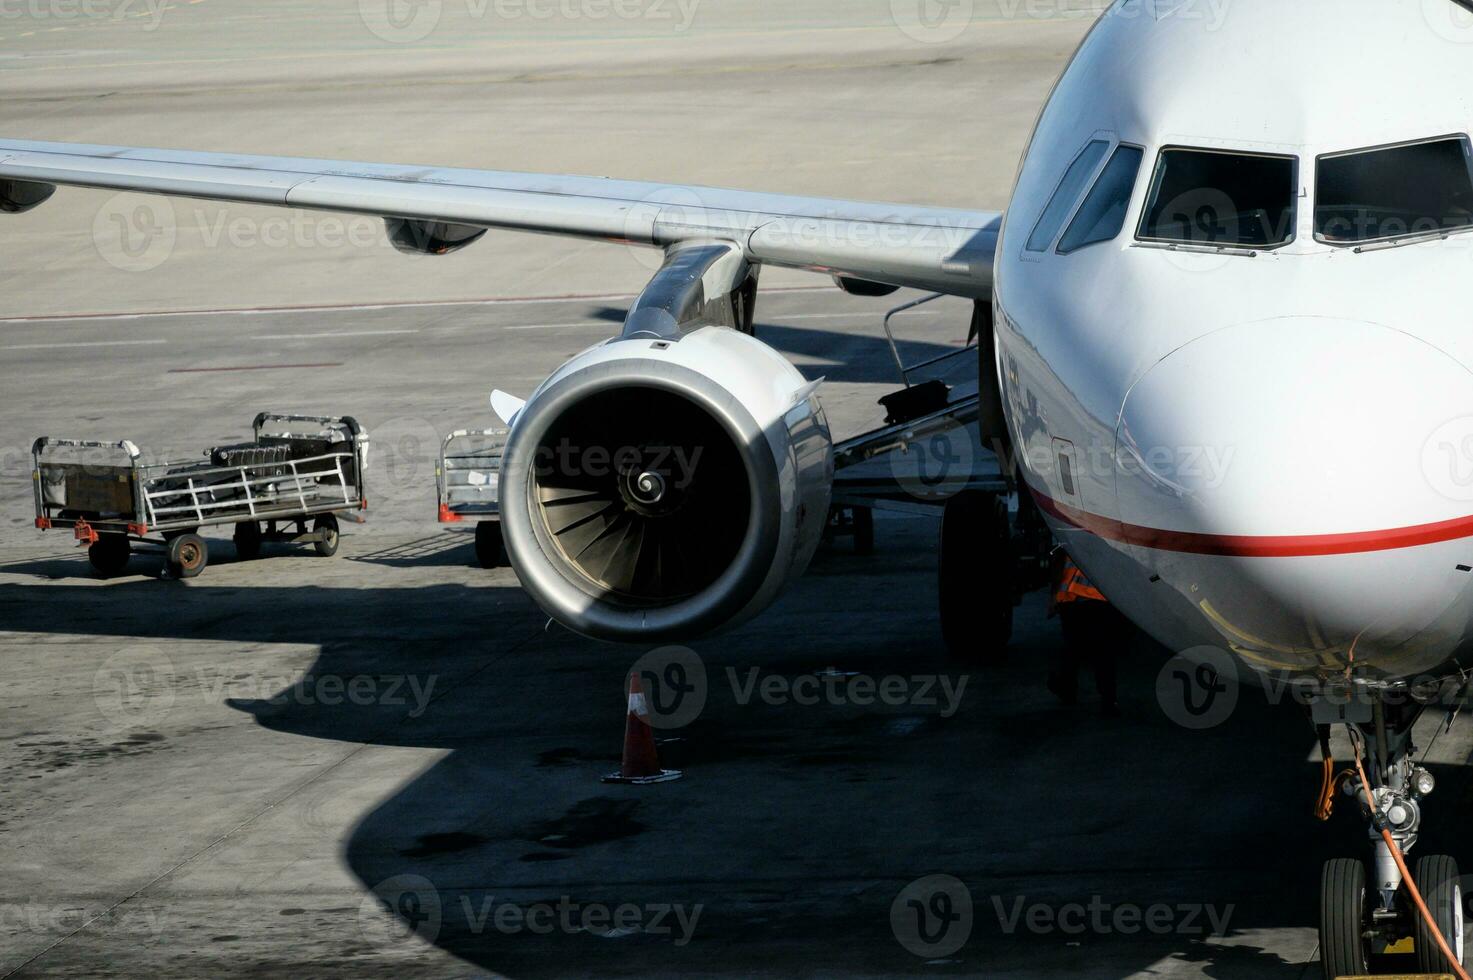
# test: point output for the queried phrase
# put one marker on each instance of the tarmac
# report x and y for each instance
(388, 763)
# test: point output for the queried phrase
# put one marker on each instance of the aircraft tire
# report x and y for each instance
(1437, 879)
(864, 530)
(977, 577)
(490, 549)
(1342, 918)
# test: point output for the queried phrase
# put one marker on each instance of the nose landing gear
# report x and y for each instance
(978, 576)
(1367, 909)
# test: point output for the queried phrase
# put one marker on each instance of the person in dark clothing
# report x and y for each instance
(1095, 635)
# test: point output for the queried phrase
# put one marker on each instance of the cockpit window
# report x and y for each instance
(1394, 192)
(1102, 214)
(1215, 198)
(1065, 195)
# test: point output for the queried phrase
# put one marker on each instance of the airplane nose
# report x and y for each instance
(1299, 481)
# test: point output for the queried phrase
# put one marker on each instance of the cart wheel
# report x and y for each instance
(327, 526)
(864, 530)
(490, 549)
(188, 555)
(109, 554)
(247, 540)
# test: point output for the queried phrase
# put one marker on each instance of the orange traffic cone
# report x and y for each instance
(641, 763)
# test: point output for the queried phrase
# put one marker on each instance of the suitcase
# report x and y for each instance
(262, 460)
(301, 448)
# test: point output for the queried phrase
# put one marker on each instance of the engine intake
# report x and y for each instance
(671, 481)
(658, 490)
(643, 492)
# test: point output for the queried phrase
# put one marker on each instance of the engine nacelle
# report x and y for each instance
(657, 489)
(17, 196)
(414, 237)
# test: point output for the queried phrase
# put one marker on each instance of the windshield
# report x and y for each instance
(1214, 198)
(1394, 192)
(1065, 195)
(1102, 214)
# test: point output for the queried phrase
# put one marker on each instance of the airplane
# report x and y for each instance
(1221, 330)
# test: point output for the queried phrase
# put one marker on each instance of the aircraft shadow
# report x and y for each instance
(796, 826)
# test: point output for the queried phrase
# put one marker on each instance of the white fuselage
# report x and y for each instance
(1265, 448)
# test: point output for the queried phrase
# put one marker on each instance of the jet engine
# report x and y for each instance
(671, 481)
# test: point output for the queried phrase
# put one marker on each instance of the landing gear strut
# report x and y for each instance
(979, 582)
(1366, 907)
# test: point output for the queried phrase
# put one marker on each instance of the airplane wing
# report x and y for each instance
(936, 249)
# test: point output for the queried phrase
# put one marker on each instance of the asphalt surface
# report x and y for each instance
(828, 98)
(386, 762)
(222, 776)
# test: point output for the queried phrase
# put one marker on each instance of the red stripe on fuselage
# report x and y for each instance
(1256, 545)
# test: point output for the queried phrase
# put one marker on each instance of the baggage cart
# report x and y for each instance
(467, 487)
(296, 470)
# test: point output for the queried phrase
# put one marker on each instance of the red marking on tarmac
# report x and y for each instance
(255, 367)
(1257, 545)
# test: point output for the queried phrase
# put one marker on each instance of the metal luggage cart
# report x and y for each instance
(467, 487)
(268, 489)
